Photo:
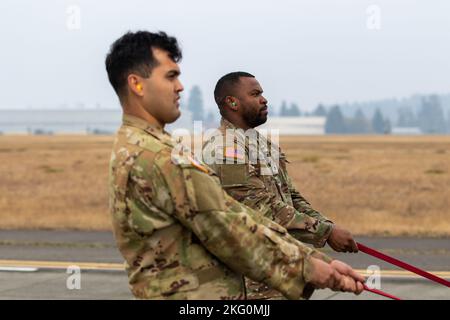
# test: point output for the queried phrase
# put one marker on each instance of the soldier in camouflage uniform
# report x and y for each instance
(181, 235)
(253, 170)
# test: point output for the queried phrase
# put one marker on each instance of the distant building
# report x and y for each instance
(296, 125)
(107, 121)
(406, 131)
(84, 121)
(95, 121)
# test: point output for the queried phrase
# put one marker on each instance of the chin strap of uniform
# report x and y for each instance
(402, 264)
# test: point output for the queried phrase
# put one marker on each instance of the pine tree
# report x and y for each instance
(387, 126)
(284, 109)
(294, 111)
(195, 103)
(378, 122)
(359, 124)
(210, 121)
(448, 121)
(320, 111)
(431, 115)
(335, 122)
(406, 117)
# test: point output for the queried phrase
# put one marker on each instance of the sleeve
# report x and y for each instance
(246, 242)
(302, 205)
(299, 202)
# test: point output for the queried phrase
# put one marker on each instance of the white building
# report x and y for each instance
(406, 131)
(296, 125)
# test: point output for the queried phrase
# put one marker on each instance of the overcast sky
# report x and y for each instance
(308, 52)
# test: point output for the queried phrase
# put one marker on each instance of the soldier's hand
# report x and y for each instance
(323, 275)
(348, 284)
(341, 240)
(346, 270)
(336, 276)
(353, 281)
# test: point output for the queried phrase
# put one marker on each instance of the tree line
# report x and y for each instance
(430, 118)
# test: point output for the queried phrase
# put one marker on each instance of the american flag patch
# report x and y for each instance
(231, 152)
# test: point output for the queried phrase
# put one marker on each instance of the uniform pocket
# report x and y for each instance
(275, 235)
(204, 191)
(233, 175)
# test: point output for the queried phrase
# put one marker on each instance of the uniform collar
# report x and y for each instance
(155, 130)
(239, 134)
(225, 124)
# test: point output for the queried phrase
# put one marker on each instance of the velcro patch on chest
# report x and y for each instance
(232, 175)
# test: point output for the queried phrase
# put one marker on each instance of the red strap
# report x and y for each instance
(402, 264)
(381, 293)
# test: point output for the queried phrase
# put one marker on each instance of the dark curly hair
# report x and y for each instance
(132, 53)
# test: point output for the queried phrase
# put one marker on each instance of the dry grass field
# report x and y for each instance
(371, 185)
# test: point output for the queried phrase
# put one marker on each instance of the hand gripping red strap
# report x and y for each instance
(402, 264)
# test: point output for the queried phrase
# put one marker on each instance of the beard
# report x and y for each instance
(255, 118)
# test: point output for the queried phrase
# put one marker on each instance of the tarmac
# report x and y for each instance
(87, 265)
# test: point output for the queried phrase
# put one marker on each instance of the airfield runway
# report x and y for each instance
(33, 265)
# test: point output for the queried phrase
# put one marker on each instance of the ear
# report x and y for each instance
(135, 84)
(231, 103)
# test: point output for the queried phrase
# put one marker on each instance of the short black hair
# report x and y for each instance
(132, 53)
(226, 84)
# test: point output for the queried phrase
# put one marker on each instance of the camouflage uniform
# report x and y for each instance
(263, 185)
(182, 236)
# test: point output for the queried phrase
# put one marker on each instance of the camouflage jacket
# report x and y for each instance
(182, 236)
(253, 170)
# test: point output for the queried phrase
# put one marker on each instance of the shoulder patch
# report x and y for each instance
(187, 160)
(197, 165)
